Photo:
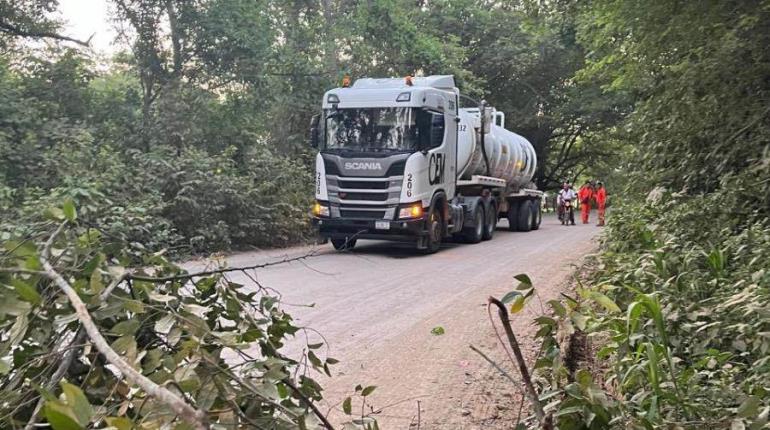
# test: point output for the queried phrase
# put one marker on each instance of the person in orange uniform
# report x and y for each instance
(585, 195)
(601, 201)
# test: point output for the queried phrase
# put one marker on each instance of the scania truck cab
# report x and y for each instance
(398, 160)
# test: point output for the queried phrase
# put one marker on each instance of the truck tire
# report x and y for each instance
(525, 216)
(435, 227)
(490, 222)
(343, 244)
(513, 216)
(537, 214)
(476, 233)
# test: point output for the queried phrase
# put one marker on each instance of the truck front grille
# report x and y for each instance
(364, 185)
(364, 197)
(352, 213)
(372, 197)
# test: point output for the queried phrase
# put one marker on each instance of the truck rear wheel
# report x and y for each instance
(342, 244)
(490, 222)
(537, 214)
(525, 216)
(476, 233)
(513, 216)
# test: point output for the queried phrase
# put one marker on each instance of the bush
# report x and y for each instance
(678, 303)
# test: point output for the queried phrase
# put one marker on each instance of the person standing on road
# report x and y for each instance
(585, 195)
(601, 201)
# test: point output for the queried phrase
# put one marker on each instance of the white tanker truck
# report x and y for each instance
(400, 160)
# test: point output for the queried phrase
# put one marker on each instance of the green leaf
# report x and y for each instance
(60, 416)
(26, 291)
(314, 360)
(524, 281)
(77, 401)
(605, 301)
(120, 423)
(54, 214)
(518, 305)
(32, 262)
(315, 345)
(437, 331)
(126, 327)
(347, 406)
(558, 308)
(69, 210)
(510, 297)
(368, 390)
(5, 366)
(332, 361)
(750, 407)
(165, 324)
(96, 282)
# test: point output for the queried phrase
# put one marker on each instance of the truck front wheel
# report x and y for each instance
(435, 231)
(342, 244)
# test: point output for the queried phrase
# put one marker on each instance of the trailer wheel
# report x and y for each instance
(476, 233)
(537, 215)
(513, 216)
(525, 216)
(343, 244)
(490, 222)
(435, 231)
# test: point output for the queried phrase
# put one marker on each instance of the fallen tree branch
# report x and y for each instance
(528, 385)
(198, 419)
(215, 272)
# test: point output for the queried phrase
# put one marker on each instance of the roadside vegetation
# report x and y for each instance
(675, 309)
(191, 139)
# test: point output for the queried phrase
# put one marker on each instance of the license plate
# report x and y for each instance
(382, 225)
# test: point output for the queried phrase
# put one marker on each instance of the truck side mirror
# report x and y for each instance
(314, 138)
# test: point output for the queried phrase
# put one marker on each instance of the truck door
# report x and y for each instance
(433, 168)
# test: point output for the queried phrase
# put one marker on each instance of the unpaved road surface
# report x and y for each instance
(376, 307)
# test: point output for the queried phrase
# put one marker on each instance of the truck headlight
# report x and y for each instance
(320, 210)
(412, 211)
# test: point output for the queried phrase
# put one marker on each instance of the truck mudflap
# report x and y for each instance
(399, 230)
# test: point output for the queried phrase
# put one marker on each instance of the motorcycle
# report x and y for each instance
(567, 213)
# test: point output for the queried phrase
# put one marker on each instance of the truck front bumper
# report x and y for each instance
(341, 228)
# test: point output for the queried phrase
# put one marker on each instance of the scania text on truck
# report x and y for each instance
(399, 159)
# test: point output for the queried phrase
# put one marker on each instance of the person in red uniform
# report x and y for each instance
(585, 195)
(601, 201)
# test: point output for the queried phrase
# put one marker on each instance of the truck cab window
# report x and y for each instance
(430, 129)
(436, 130)
(370, 129)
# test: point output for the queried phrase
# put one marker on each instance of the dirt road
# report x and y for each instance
(376, 307)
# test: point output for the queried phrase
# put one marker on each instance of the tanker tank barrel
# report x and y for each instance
(507, 155)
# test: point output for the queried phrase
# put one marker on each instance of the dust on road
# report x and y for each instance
(376, 307)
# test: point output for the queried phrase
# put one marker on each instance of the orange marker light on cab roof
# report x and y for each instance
(408, 80)
(346, 81)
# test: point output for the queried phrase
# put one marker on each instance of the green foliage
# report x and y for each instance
(184, 334)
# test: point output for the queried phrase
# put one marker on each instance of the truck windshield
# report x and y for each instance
(371, 129)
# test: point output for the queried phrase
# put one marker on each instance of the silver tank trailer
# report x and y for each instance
(511, 156)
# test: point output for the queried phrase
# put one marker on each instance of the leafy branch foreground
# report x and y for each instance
(143, 348)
